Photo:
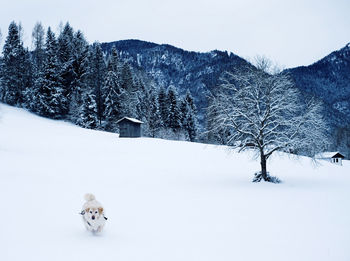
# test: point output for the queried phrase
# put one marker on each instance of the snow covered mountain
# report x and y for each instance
(168, 65)
(328, 79)
(165, 200)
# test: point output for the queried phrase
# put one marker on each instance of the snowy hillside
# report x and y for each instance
(329, 80)
(165, 200)
(171, 66)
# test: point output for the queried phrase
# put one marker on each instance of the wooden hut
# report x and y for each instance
(334, 157)
(129, 127)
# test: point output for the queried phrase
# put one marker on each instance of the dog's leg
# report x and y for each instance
(99, 229)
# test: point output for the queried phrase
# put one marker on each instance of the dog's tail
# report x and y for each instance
(89, 197)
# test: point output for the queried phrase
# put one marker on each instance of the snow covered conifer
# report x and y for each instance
(50, 101)
(38, 60)
(96, 77)
(163, 107)
(192, 126)
(174, 111)
(188, 117)
(16, 68)
(88, 110)
(113, 62)
(154, 119)
(142, 103)
(127, 84)
(184, 111)
(190, 102)
(80, 66)
(191, 122)
(114, 94)
(65, 58)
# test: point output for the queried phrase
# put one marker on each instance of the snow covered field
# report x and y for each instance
(165, 200)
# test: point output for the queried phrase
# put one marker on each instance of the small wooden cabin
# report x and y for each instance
(334, 157)
(129, 127)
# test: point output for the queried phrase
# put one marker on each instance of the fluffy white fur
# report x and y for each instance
(89, 197)
(93, 214)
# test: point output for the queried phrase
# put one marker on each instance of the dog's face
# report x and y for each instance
(93, 213)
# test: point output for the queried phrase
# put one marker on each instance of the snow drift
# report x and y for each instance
(165, 200)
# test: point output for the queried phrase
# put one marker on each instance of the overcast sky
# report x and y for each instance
(290, 32)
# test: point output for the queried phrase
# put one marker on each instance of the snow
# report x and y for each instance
(165, 200)
(326, 155)
(130, 119)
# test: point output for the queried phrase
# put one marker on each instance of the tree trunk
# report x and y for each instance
(263, 166)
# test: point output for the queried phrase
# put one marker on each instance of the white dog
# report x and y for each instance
(93, 214)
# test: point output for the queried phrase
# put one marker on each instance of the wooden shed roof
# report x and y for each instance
(130, 119)
(324, 155)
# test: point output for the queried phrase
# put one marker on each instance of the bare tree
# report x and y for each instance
(266, 112)
(21, 32)
(38, 38)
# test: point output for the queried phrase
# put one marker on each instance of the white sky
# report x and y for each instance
(290, 32)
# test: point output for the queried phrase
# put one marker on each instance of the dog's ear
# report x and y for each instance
(100, 210)
(87, 210)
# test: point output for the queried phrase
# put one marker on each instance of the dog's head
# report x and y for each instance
(93, 213)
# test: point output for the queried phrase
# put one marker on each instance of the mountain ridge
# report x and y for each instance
(328, 79)
(172, 66)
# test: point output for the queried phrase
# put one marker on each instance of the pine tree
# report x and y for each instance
(38, 61)
(88, 110)
(192, 127)
(126, 78)
(16, 69)
(113, 110)
(96, 77)
(113, 62)
(127, 84)
(142, 100)
(189, 119)
(190, 102)
(26, 67)
(65, 58)
(184, 110)
(113, 93)
(80, 66)
(174, 112)
(50, 99)
(163, 107)
(144, 105)
(154, 119)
